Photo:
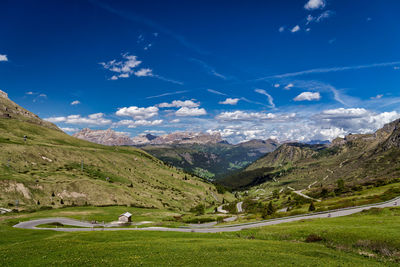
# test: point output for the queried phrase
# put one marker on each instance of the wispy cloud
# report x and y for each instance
(167, 94)
(332, 69)
(167, 79)
(215, 92)
(252, 102)
(324, 15)
(76, 102)
(338, 95)
(209, 69)
(270, 98)
(152, 24)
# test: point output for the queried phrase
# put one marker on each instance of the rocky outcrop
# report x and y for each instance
(187, 138)
(104, 137)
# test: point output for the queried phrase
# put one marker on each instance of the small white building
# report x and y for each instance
(125, 218)
(3, 210)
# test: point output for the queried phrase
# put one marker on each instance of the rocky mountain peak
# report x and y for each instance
(105, 137)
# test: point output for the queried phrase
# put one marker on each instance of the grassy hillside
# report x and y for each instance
(369, 238)
(356, 159)
(212, 161)
(47, 169)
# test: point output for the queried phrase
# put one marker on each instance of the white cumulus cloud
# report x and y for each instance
(185, 111)
(287, 87)
(295, 28)
(75, 102)
(92, 119)
(123, 68)
(138, 113)
(136, 123)
(308, 96)
(3, 58)
(144, 72)
(244, 116)
(230, 101)
(179, 104)
(314, 4)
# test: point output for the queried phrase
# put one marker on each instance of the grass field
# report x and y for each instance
(370, 238)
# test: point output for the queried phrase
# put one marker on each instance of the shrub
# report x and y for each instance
(199, 209)
(313, 238)
(200, 220)
(312, 207)
(268, 210)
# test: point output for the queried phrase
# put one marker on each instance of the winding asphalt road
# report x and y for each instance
(215, 229)
(239, 207)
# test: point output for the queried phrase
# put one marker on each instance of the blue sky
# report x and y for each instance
(291, 70)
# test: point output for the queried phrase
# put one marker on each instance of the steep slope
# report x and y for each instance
(285, 154)
(52, 168)
(357, 159)
(212, 161)
(10, 110)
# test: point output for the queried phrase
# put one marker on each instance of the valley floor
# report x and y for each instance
(368, 238)
(330, 214)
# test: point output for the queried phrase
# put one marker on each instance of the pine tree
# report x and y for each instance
(312, 207)
(270, 208)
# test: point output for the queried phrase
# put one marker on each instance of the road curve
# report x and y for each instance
(220, 209)
(239, 207)
(89, 227)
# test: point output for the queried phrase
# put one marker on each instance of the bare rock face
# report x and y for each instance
(104, 137)
(393, 140)
(143, 139)
(188, 138)
(113, 138)
(178, 138)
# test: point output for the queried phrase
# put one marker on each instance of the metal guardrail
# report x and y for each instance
(301, 215)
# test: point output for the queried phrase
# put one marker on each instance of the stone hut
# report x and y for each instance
(125, 218)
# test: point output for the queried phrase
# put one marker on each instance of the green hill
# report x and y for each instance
(52, 168)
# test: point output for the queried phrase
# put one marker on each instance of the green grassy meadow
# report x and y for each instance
(369, 238)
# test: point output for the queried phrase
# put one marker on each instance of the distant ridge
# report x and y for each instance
(355, 158)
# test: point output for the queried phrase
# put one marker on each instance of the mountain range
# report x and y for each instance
(206, 155)
(356, 159)
(113, 138)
